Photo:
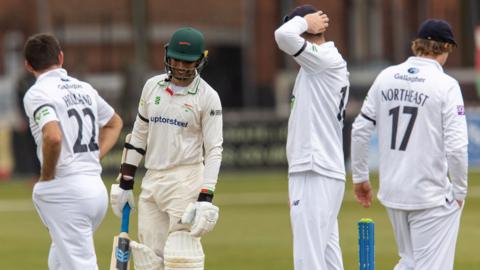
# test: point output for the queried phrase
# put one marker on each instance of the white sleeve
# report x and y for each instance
(104, 110)
(456, 141)
(288, 36)
(362, 130)
(39, 107)
(138, 143)
(212, 129)
(312, 57)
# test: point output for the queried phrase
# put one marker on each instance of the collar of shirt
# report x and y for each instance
(423, 61)
(327, 44)
(191, 89)
(58, 72)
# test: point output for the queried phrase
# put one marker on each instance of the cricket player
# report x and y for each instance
(179, 131)
(419, 115)
(314, 145)
(73, 129)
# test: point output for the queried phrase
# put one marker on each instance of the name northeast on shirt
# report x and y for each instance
(408, 95)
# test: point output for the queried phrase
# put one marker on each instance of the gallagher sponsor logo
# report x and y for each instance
(413, 70)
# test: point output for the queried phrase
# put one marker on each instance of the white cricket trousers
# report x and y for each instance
(426, 238)
(315, 201)
(71, 208)
(165, 195)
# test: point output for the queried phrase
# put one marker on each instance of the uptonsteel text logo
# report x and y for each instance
(170, 121)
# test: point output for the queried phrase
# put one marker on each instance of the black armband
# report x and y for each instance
(205, 196)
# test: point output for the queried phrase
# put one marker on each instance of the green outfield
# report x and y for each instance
(253, 231)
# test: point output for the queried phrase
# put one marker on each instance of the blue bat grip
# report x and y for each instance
(366, 244)
(125, 218)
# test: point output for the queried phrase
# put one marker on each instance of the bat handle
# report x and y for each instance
(125, 218)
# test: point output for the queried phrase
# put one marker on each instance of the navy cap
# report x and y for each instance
(300, 11)
(437, 30)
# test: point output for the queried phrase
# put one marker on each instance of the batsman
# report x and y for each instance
(179, 131)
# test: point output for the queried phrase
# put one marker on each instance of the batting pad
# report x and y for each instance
(144, 258)
(183, 252)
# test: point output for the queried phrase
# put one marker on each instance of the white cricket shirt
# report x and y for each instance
(319, 98)
(419, 114)
(80, 111)
(179, 128)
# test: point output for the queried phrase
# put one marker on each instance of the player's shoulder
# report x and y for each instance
(327, 51)
(34, 92)
(392, 69)
(449, 79)
(393, 72)
(327, 46)
(207, 94)
(81, 83)
(157, 79)
(206, 89)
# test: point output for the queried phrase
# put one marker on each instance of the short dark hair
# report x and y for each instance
(41, 51)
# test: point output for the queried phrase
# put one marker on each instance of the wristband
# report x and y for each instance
(206, 195)
(126, 184)
(128, 170)
(127, 173)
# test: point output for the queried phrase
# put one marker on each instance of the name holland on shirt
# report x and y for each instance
(407, 95)
(71, 98)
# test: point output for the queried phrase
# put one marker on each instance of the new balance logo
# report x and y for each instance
(122, 256)
(296, 202)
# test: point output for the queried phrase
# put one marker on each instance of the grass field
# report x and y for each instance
(253, 231)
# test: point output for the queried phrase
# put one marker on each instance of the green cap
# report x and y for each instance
(186, 44)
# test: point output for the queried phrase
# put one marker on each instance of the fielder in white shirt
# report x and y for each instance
(179, 130)
(314, 143)
(419, 115)
(73, 128)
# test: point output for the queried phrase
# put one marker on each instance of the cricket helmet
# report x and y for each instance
(186, 44)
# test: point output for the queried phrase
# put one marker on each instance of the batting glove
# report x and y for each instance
(119, 197)
(201, 215)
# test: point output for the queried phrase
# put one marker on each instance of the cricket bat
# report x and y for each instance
(121, 244)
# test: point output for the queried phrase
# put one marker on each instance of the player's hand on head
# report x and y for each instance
(363, 193)
(317, 22)
(119, 197)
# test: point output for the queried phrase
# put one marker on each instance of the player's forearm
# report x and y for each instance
(458, 171)
(138, 143)
(212, 129)
(361, 133)
(288, 35)
(456, 144)
(213, 160)
(108, 134)
(51, 148)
